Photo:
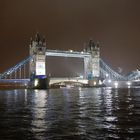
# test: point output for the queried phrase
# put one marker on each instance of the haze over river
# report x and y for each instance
(66, 114)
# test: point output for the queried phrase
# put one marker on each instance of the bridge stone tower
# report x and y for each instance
(92, 64)
(38, 64)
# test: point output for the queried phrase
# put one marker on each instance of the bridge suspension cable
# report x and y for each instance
(135, 75)
(106, 71)
(13, 70)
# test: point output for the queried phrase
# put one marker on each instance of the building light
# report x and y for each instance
(107, 75)
(116, 84)
(36, 82)
(94, 83)
(128, 84)
(71, 50)
(109, 81)
(100, 82)
(81, 76)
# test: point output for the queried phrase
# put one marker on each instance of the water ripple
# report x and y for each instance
(82, 114)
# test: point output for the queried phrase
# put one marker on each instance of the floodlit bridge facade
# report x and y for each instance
(35, 65)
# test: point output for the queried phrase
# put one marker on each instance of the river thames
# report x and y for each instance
(70, 114)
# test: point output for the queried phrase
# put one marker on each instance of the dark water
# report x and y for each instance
(67, 114)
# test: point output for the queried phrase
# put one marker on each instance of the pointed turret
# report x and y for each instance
(37, 38)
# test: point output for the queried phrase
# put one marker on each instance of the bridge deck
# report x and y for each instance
(58, 80)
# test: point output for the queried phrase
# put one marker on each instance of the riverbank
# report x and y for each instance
(12, 86)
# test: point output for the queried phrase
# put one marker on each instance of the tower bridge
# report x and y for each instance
(33, 68)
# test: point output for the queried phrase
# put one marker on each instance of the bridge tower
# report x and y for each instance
(92, 63)
(37, 68)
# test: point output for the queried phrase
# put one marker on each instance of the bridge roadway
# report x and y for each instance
(20, 81)
(112, 84)
(71, 79)
(52, 81)
(13, 83)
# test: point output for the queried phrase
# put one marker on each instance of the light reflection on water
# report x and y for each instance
(39, 111)
(94, 113)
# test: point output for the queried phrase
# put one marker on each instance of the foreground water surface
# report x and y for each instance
(67, 114)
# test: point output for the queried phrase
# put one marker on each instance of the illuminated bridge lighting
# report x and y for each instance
(67, 53)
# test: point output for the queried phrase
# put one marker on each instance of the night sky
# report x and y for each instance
(68, 24)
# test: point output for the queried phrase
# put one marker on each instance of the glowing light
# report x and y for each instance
(128, 83)
(109, 81)
(116, 84)
(94, 83)
(36, 82)
(40, 68)
(8, 73)
(71, 50)
(107, 75)
(81, 76)
(100, 82)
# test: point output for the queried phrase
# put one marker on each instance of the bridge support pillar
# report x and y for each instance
(92, 64)
(38, 76)
(86, 65)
